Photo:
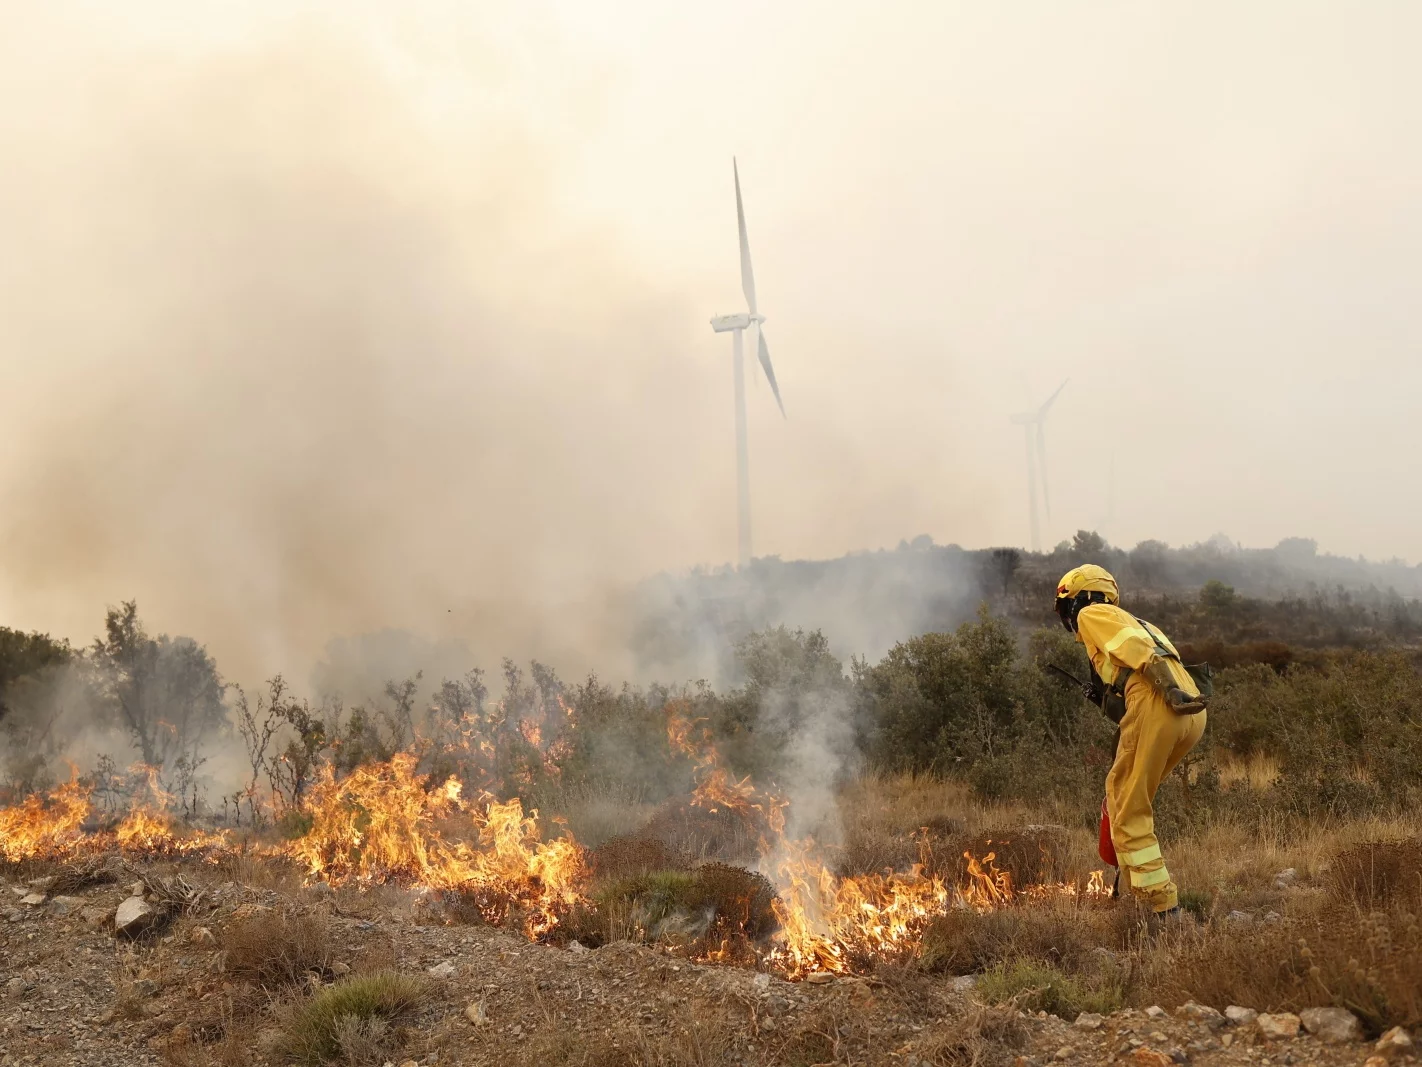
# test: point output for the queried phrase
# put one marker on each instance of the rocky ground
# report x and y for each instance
(134, 971)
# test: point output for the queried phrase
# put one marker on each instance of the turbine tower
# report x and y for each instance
(737, 324)
(1032, 423)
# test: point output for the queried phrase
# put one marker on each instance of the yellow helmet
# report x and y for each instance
(1080, 586)
(1088, 578)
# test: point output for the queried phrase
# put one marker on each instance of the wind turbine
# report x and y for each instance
(1032, 423)
(737, 324)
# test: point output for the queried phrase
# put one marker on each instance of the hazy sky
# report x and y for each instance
(317, 317)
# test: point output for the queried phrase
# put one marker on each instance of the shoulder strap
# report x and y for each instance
(1165, 650)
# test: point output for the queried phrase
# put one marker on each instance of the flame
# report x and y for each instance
(45, 827)
(385, 822)
(378, 824)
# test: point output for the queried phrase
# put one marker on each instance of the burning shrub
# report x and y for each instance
(712, 903)
(274, 949)
(1029, 855)
(352, 1017)
(634, 854)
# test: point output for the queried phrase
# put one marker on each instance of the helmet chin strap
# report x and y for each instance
(1069, 609)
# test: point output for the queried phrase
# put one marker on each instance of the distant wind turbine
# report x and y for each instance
(1032, 424)
(738, 324)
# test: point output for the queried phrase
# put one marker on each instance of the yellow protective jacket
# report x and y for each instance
(1118, 643)
(1154, 738)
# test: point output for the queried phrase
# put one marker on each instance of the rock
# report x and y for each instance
(1240, 918)
(41, 884)
(1286, 879)
(442, 970)
(1088, 1021)
(97, 916)
(1396, 1042)
(1158, 1037)
(1201, 1013)
(137, 889)
(1273, 917)
(1155, 1011)
(201, 935)
(1149, 1057)
(1177, 1055)
(1375, 1061)
(1240, 1016)
(409, 1063)
(819, 978)
(340, 970)
(32, 900)
(320, 891)
(62, 906)
(1332, 1026)
(475, 1013)
(134, 916)
(1066, 1052)
(145, 987)
(14, 915)
(761, 981)
(964, 983)
(1283, 1025)
(767, 1025)
(576, 947)
(1227, 1040)
(16, 986)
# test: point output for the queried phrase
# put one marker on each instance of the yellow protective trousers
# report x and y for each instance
(1154, 738)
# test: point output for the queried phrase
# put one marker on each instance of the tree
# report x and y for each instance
(1088, 543)
(1003, 567)
(24, 656)
(166, 691)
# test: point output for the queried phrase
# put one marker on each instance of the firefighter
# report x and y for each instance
(1140, 682)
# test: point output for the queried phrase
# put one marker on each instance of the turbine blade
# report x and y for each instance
(747, 275)
(1042, 411)
(764, 354)
(1042, 467)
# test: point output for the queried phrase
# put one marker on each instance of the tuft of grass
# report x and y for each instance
(1062, 934)
(1036, 986)
(355, 1011)
(274, 949)
(1197, 902)
(987, 1036)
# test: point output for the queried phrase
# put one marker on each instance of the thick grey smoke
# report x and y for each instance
(298, 361)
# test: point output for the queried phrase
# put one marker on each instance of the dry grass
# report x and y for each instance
(988, 1037)
(1065, 934)
(274, 949)
(1376, 874)
(1257, 771)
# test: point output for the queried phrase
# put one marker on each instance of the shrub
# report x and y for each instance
(1370, 964)
(1375, 874)
(1036, 986)
(355, 1012)
(274, 949)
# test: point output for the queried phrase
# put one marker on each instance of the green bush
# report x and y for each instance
(1037, 986)
(317, 1025)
